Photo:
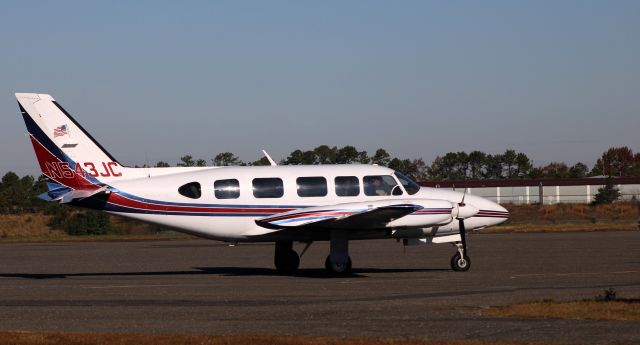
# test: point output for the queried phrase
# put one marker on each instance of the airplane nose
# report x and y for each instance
(501, 213)
(490, 212)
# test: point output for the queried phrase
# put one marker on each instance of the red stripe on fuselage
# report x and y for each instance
(120, 200)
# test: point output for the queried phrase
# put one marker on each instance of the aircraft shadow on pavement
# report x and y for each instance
(223, 271)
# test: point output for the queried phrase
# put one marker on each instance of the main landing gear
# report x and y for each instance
(337, 268)
(286, 259)
(338, 262)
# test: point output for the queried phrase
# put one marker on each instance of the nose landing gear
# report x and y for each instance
(460, 262)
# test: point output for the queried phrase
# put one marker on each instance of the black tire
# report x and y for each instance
(336, 270)
(287, 262)
(459, 264)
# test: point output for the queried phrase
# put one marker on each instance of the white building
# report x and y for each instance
(546, 191)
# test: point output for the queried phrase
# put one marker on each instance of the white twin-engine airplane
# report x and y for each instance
(280, 204)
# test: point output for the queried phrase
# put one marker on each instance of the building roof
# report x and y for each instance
(530, 182)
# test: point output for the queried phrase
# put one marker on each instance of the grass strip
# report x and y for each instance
(92, 238)
(616, 310)
(560, 228)
(46, 338)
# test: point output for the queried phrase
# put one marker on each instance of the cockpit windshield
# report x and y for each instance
(408, 184)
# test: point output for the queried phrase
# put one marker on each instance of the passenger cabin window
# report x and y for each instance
(381, 185)
(408, 184)
(268, 187)
(190, 190)
(347, 186)
(311, 186)
(226, 189)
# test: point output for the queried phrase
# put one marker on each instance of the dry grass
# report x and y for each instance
(26, 225)
(32, 227)
(113, 238)
(618, 310)
(616, 213)
(560, 228)
(29, 338)
(570, 217)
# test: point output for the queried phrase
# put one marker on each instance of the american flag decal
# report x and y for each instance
(60, 131)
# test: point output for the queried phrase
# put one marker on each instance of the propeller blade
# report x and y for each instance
(463, 238)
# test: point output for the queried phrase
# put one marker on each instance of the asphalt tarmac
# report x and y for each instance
(206, 287)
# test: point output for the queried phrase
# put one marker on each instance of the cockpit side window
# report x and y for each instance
(408, 184)
(380, 185)
(191, 190)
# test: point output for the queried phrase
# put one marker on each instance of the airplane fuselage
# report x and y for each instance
(155, 198)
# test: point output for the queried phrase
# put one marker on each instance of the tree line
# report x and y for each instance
(19, 194)
(616, 161)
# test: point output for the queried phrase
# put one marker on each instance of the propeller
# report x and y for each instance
(464, 211)
(461, 203)
(461, 227)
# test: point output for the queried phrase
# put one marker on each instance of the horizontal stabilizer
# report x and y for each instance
(79, 194)
(65, 194)
(55, 191)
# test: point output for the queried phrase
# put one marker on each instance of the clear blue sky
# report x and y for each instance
(152, 80)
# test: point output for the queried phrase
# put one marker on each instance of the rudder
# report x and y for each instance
(66, 152)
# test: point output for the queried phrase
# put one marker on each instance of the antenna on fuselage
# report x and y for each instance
(271, 161)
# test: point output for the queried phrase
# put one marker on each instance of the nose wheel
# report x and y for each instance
(460, 262)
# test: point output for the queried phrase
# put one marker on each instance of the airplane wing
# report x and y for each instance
(374, 219)
(339, 218)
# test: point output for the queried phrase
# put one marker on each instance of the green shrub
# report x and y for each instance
(88, 223)
(59, 215)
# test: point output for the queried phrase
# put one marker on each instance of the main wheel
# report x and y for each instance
(287, 262)
(459, 263)
(337, 269)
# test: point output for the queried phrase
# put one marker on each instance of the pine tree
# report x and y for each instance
(607, 194)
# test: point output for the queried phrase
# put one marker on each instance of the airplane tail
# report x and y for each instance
(68, 155)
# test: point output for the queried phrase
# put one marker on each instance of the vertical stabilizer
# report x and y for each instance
(66, 152)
